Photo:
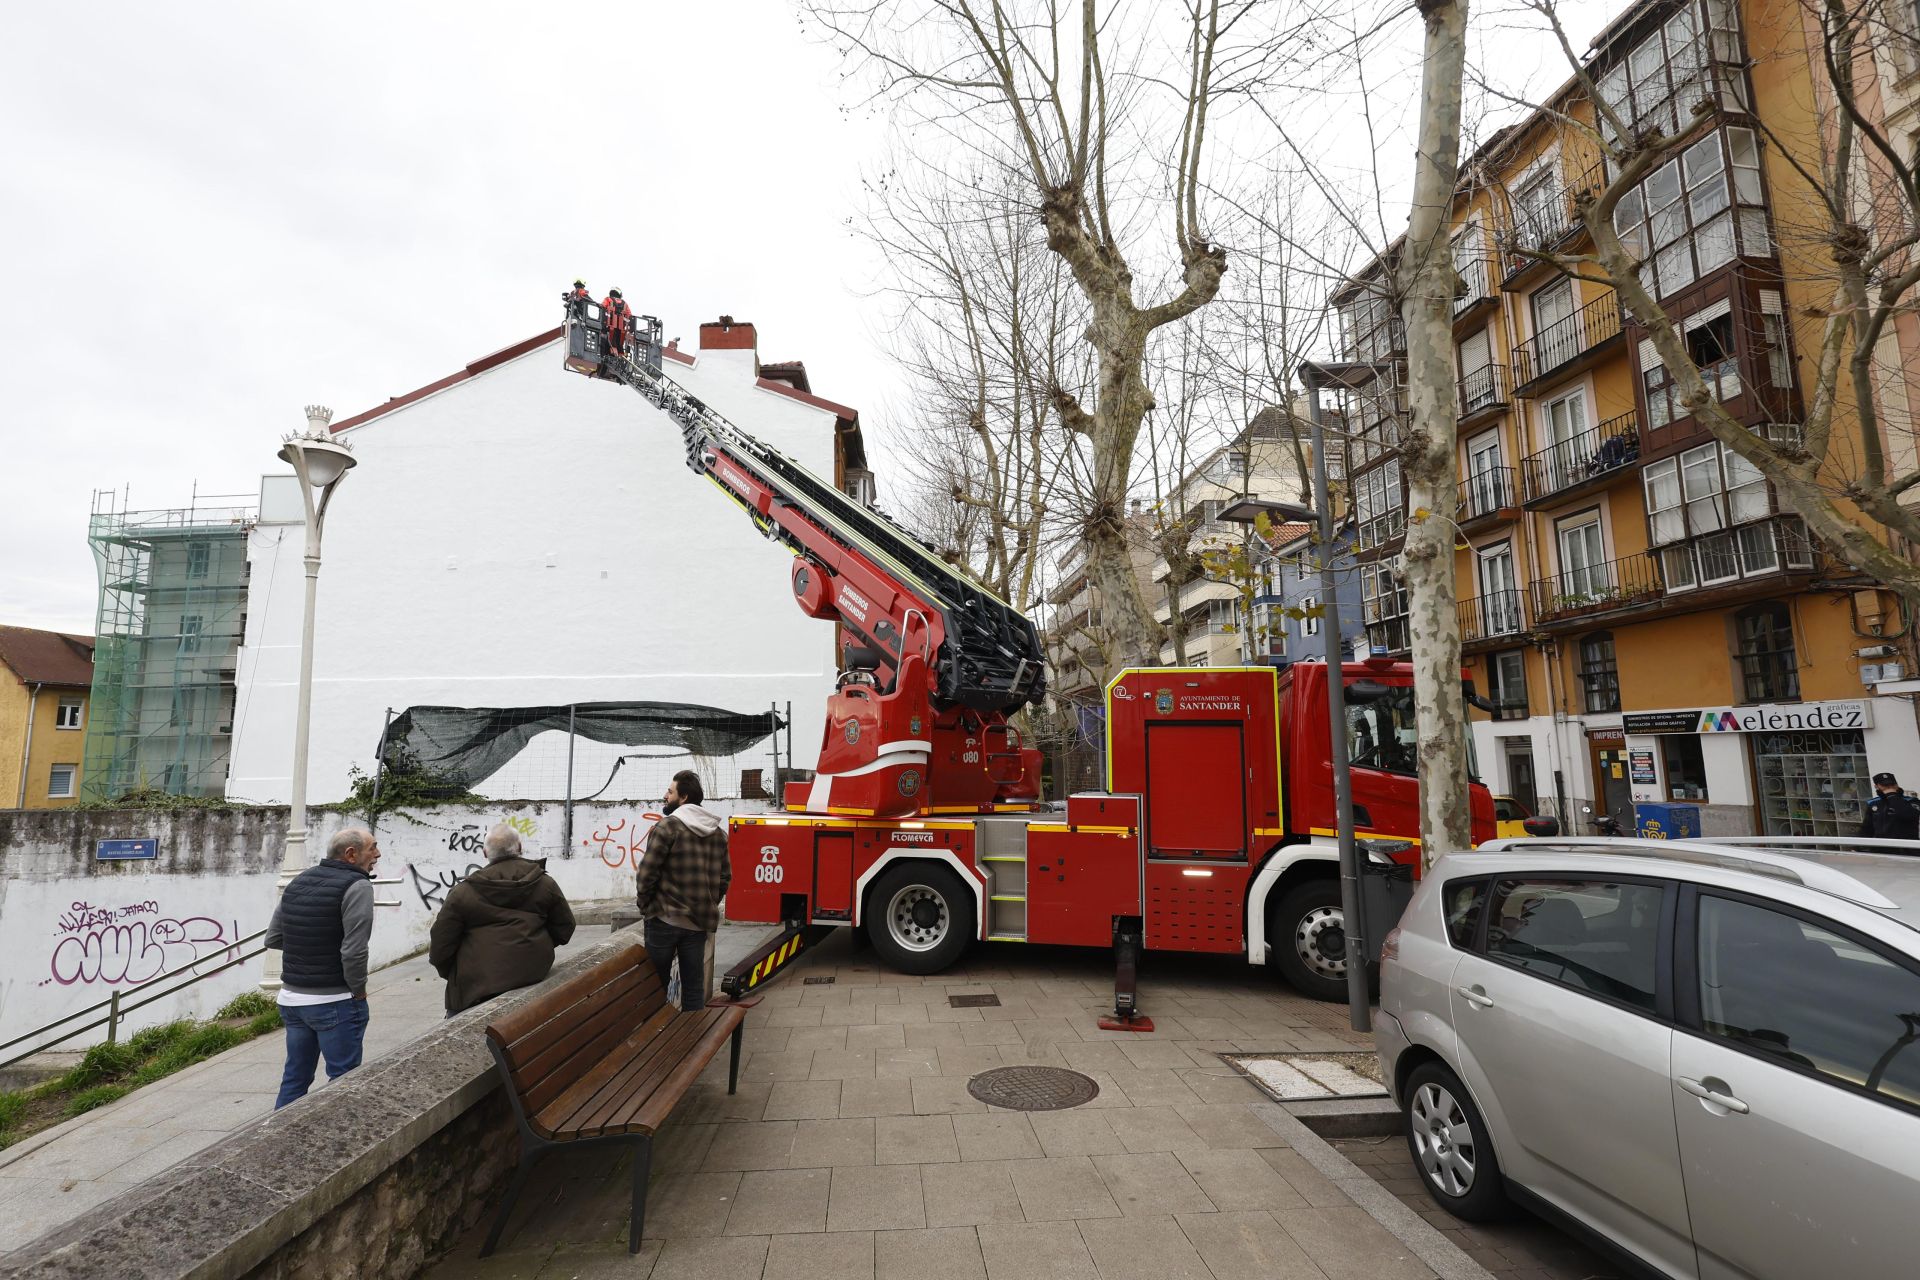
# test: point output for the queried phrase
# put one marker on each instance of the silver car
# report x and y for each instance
(1703, 1052)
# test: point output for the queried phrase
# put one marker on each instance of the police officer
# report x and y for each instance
(1892, 814)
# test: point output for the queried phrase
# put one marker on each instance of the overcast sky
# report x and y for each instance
(215, 213)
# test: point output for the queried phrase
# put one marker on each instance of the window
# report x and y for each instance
(1709, 339)
(1499, 595)
(190, 633)
(1310, 625)
(1812, 783)
(1470, 264)
(60, 781)
(1371, 325)
(1480, 385)
(1773, 331)
(1383, 602)
(1685, 766)
(1657, 84)
(1703, 494)
(1599, 673)
(1596, 936)
(1570, 450)
(1536, 208)
(1556, 329)
(1769, 667)
(1464, 902)
(198, 556)
(1381, 732)
(1507, 683)
(1695, 213)
(1488, 488)
(1269, 638)
(1221, 615)
(1380, 505)
(1808, 997)
(68, 716)
(1583, 560)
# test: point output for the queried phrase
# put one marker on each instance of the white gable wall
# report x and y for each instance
(530, 537)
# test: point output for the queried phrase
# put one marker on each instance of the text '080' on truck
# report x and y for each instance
(924, 824)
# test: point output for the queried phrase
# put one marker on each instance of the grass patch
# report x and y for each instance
(109, 1072)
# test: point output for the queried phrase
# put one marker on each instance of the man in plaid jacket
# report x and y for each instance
(681, 880)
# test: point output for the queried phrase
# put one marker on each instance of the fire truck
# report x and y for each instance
(923, 825)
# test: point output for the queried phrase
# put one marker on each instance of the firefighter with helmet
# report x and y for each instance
(577, 300)
(619, 321)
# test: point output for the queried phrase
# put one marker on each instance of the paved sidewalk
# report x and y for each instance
(59, 1173)
(853, 1149)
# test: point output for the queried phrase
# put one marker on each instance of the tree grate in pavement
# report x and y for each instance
(1295, 1077)
(1033, 1088)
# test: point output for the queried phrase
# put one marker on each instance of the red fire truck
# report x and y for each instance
(923, 824)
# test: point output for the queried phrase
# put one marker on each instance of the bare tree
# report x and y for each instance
(1425, 281)
(1861, 240)
(1056, 87)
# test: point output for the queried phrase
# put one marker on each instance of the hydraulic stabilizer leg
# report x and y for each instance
(1126, 1014)
(770, 957)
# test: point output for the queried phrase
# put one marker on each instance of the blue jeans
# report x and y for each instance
(334, 1030)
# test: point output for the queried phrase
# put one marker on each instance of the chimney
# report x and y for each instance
(728, 334)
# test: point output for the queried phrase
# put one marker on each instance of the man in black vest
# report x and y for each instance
(322, 926)
(1892, 814)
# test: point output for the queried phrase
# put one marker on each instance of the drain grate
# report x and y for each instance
(1033, 1088)
(818, 980)
(987, 1001)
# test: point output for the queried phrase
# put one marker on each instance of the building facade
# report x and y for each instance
(173, 592)
(45, 679)
(516, 535)
(1651, 624)
(1287, 622)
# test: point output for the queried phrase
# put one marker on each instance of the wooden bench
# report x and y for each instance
(604, 1058)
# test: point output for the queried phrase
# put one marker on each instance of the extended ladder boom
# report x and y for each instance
(854, 565)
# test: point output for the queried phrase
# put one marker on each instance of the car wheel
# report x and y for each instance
(919, 918)
(1308, 942)
(1450, 1147)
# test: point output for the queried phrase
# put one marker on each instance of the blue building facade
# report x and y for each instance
(1289, 579)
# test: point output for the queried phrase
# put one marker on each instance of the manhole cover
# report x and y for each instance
(1033, 1088)
(983, 1001)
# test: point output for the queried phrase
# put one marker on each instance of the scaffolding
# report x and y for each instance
(173, 591)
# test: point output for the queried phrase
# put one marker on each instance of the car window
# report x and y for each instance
(1505, 810)
(1463, 901)
(1810, 997)
(1598, 936)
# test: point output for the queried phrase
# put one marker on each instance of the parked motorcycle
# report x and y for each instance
(1604, 824)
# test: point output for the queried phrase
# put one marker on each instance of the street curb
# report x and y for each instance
(1439, 1253)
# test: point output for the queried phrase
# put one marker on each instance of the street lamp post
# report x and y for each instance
(320, 462)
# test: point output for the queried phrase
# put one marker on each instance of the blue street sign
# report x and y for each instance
(117, 850)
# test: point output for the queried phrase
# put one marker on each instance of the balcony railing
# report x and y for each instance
(1477, 281)
(1596, 588)
(1486, 493)
(1487, 387)
(1566, 340)
(1550, 219)
(1489, 616)
(1594, 452)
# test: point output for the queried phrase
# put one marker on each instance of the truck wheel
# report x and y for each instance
(1308, 940)
(919, 918)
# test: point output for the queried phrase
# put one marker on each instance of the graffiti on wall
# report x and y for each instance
(434, 887)
(620, 843)
(132, 943)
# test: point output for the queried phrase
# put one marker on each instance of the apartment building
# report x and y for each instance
(1078, 636)
(1652, 624)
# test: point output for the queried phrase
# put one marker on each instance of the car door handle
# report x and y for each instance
(1704, 1090)
(1476, 996)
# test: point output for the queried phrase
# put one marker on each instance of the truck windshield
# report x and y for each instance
(1381, 729)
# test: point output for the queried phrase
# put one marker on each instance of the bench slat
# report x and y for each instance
(586, 1032)
(579, 1110)
(682, 1041)
(517, 1023)
(653, 1112)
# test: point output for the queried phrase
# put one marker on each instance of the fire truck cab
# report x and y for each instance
(1215, 834)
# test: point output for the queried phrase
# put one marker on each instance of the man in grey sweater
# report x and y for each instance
(323, 926)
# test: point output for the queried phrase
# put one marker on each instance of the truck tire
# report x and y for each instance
(919, 918)
(1307, 940)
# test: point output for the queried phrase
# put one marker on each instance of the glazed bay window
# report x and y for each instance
(1380, 505)
(1221, 615)
(1708, 518)
(1696, 212)
(1383, 602)
(1657, 84)
(1371, 326)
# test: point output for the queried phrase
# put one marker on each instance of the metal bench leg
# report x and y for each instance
(733, 1059)
(642, 1170)
(527, 1159)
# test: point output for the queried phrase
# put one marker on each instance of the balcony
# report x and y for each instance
(1602, 587)
(1484, 390)
(1477, 289)
(1581, 460)
(1490, 495)
(1567, 344)
(1492, 616)
(1544, 220)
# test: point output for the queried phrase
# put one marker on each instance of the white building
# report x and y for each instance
(518, 535)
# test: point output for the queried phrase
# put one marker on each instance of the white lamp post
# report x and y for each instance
(320, 462)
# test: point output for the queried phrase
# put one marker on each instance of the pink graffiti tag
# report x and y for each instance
(138, 951)
(618, 849)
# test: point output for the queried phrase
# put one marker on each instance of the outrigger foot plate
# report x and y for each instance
(1126, 1015)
